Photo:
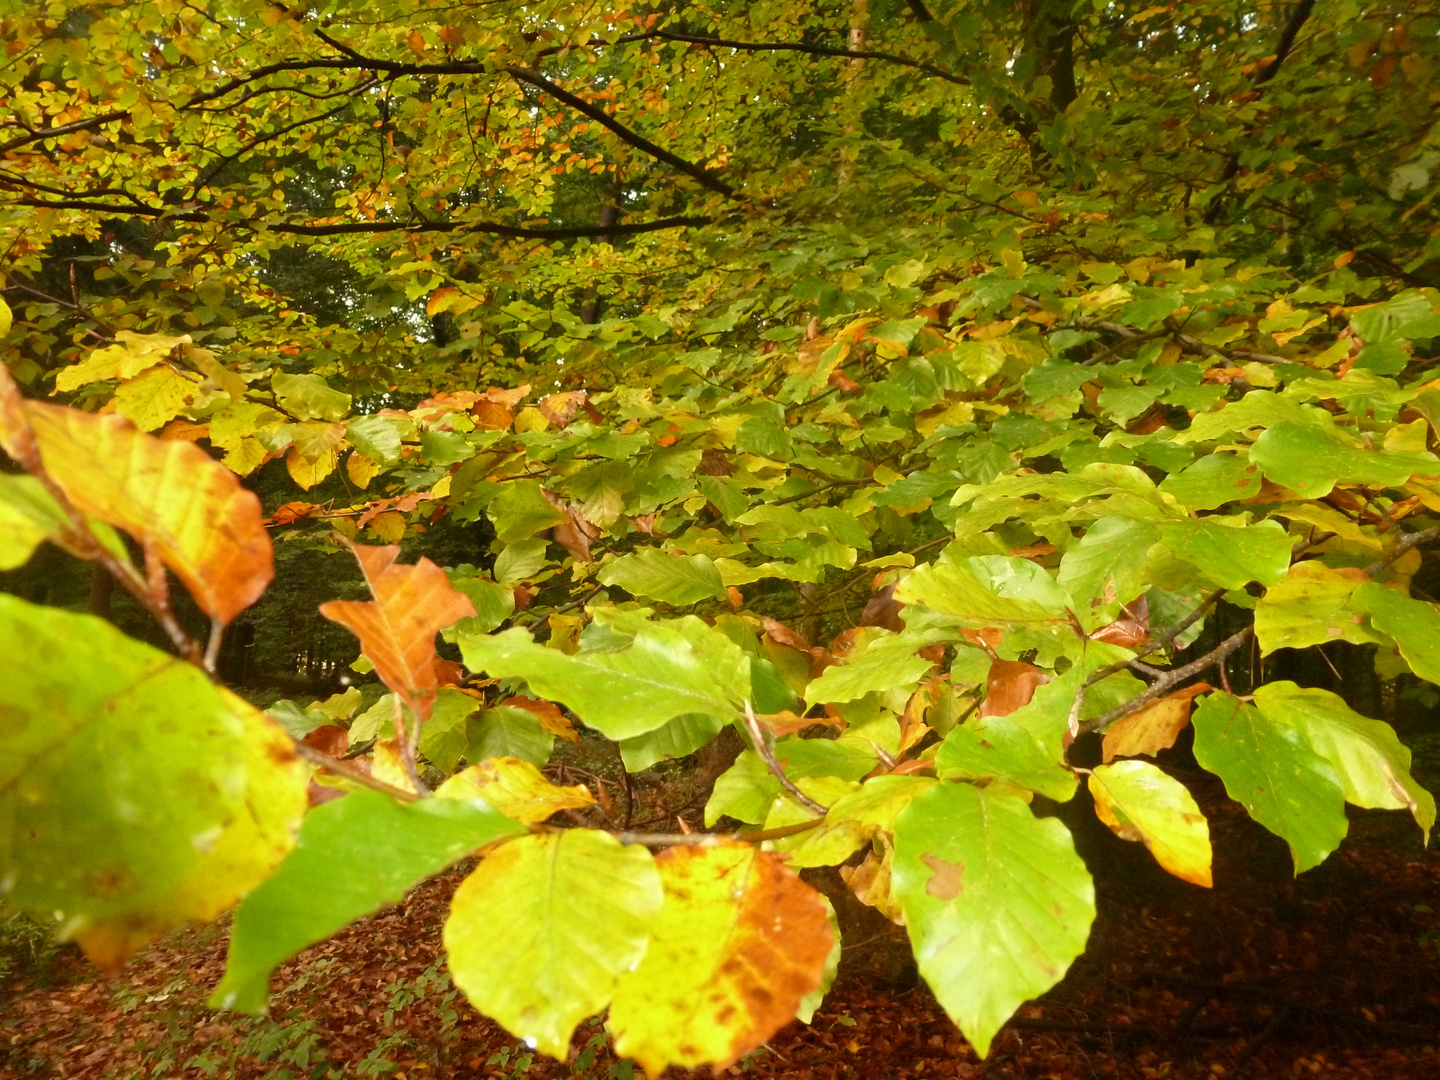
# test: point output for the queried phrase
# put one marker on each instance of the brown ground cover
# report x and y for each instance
(1335, 974)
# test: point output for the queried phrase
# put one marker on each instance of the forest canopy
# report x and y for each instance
(954, 405)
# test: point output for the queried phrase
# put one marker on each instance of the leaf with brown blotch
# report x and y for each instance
(548, 713)
(173, 497)
(560, 408)
(397, 629)
(1011, 684)
(739, 943)
(1131, 629)
(1153, 727)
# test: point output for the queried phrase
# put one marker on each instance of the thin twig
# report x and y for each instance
(1159, 642)
(1408, 541)
(767, 755)
(1163, 685)
(351, 771)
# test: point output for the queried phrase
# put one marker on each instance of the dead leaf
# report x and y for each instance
(1011, 684)
(1152, 728)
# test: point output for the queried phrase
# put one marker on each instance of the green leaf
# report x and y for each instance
(507, 732)
(1405, 317)
(1139, 802)
(29, 515)
(1270, 769)
(126, 794)
(996, 902)
(1311, 460)
(881, 661)
(1372, 764)
(309, 397)
(678, 737)
(493, 603)
(377, 437)
(1106, 569)
(296, 721)
(353, 855)
(1312, 604)
(988, 590)
(855, 817)
(521, 510)
(1414, 624)
(997, 748)
(673, 579)
(443, 735)
(519, 561)
(745, 791)
(539, 934)
(1231, 555)
(623, 693)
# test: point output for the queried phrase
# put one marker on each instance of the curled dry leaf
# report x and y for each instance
(883, 610)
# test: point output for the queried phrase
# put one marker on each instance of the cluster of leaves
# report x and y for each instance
(925, 499)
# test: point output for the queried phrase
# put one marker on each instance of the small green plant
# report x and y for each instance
(27, 949)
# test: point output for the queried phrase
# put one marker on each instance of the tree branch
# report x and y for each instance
(696, 172)
(1170, 679)
(1408, 541)
(814, 50)
(494, 228)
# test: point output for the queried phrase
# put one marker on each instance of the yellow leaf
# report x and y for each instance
(245, 854)
(1152, 728)
(156, 397)
(314, 451)
(516, 789)
(389, 526)
(361, 469)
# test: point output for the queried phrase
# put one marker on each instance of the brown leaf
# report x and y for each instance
(329, 739)
(1011, 684)
(777, 631)
(787, 723)
(1131, 629)
(397, 629)
(883, 610)
(1152, 728)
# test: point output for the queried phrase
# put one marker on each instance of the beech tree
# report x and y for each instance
(956, 401)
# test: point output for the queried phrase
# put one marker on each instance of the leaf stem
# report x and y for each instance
(767, 755)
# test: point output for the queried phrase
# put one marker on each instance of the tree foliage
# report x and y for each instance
(935, 394)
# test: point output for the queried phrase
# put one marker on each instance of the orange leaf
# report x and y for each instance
(740, 941)
(397, 629)
(1012, 683)
(1152, 728)
(778, 632)
(549, 715)
(173, 497)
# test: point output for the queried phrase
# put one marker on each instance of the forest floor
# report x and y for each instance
(1334, 974)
